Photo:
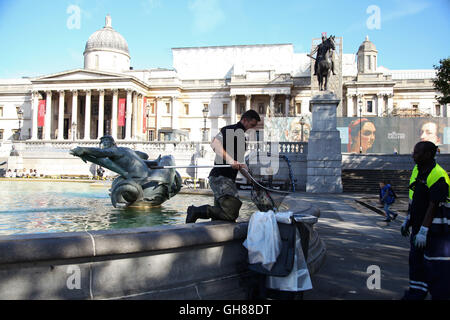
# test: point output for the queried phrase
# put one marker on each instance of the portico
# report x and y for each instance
(80, 108)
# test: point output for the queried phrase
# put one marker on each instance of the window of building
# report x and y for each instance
(151, 135)
(369, 108)
(167, 107)
(225, 108)
(186, 108)
(437, 110)
(1, 134)
(1, 111)
(261, 108)
(298, 108)
(279, 108)
(241, 108)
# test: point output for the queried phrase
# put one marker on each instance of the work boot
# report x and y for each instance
(194, 213)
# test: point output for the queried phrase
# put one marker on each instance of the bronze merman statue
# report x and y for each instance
(137, 182)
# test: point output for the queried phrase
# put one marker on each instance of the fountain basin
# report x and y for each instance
(196, 261)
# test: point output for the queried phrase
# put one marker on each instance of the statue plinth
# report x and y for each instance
(324, 157)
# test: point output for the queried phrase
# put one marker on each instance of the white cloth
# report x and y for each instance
(263, 239)
(299, 278)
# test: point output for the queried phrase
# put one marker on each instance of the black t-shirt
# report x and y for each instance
(233, 141)
(422, 197)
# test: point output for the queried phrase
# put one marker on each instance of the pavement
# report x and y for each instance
(360, 246)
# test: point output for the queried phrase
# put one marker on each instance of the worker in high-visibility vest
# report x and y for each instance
(428, 216)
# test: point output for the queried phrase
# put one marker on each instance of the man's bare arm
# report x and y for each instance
(218, 149)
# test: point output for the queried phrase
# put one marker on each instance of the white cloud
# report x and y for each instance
(150, 5)
(207, 15)
(405, 8)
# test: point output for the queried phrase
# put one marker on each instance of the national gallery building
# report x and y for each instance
(205, 89)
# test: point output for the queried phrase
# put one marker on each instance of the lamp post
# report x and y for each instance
(74, 127)
(20, 117)
(302, 123)
(360, 127)
(205, 115)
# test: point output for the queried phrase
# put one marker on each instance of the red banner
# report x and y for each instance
(41, 113)
(121, 120)
(144, 117)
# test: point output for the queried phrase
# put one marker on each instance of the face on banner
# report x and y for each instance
(121, 113)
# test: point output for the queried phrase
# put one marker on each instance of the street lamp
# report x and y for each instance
(205, 115)
(74, 128)
(302, 123)
(360, 127)
(20, 117)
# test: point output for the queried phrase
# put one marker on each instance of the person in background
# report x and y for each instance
(387, 198)
(428, 216)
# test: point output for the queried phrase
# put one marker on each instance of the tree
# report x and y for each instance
(442, 81)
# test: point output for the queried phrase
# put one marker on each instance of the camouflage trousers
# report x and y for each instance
(222, 186)
(226, 199)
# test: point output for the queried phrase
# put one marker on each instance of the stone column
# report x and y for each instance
(101, 113)
(87, 116)
(380, 98)
(272, 105)
(286, 106)
(175, 110)
(390, 103)
(61, 115)
(115, 102)
(350, 105)
(324, 157)
(129, 114)
(158, 111)
(74, 128)
(233, 109)
(48, 116)
(135, 116)
(248, 102)
(34, 129)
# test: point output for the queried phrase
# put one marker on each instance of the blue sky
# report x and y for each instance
(46, 36)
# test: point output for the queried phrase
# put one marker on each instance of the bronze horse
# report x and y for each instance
(324, 62)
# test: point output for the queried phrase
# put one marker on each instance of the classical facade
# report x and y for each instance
(207, 88)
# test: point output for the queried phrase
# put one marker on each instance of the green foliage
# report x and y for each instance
(442, 80)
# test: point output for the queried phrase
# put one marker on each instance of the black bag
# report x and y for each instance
(285, 261)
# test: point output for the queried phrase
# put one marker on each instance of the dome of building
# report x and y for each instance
(107, 39)
(367, 45)
(107, 50)
(367, 57)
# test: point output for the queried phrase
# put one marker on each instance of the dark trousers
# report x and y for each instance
(437, 266)
(418, 287)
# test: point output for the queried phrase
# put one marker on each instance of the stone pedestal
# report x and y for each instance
(324, 147)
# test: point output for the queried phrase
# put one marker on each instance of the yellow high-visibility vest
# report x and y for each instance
(435, 174)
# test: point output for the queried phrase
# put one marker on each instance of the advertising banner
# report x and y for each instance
(41, 113)
(386, 135)
(392, 134)
(121, 113)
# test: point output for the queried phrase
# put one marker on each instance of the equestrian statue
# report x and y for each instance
(137, 181)
(324, 61)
